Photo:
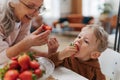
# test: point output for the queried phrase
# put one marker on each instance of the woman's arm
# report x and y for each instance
(52, 48)
(34, 39)
(38, 53)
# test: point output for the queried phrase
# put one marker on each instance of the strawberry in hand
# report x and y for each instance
(77, 47)
(46, 27)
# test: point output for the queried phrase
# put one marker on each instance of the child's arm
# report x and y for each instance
(67, 52)
(52, 45)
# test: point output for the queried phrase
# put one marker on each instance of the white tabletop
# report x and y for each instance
(62, 73)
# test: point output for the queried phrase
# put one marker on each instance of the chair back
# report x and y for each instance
(110, 64)
(113, 21)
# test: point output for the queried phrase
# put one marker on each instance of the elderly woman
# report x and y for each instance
(15, 28)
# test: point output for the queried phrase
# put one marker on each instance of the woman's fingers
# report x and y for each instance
(41, 29)
(40, 42)
(40, 39)
(44, 34)
(38, 31)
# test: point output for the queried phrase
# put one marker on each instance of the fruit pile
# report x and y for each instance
(23, 67)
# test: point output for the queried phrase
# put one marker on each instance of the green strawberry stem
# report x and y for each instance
(34, 77)
(31, 54)
(3, 71)
(71, 44)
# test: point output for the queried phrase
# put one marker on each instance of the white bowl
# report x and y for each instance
(47, 65)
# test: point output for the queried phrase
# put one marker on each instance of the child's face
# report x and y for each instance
(87, 44)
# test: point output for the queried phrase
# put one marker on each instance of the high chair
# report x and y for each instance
(110, 64)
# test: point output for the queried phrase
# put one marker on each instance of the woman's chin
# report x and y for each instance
(25, 20)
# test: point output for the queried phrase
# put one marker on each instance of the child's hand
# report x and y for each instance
(52, 45)
(67, 52)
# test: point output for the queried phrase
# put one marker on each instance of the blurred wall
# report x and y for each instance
(65, 7)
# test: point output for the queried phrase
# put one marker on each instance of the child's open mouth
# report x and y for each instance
(77, 46)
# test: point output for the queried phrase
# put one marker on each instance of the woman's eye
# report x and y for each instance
(86, 41)
(39, 8)
(30, 6)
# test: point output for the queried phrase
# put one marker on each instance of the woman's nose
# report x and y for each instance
(36, 13)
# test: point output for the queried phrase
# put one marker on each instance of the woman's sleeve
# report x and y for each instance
(3, 46)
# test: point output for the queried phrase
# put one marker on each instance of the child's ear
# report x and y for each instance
(95, 55)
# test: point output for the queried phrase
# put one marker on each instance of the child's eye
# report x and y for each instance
(86, 41)
(79, 37)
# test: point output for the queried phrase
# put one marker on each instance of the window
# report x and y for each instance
(53, 8)
(91, 7)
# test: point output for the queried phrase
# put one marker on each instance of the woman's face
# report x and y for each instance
(25, 10)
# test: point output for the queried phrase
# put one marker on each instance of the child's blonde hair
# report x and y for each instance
(101, 35)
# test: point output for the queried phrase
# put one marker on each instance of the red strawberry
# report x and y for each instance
(11, 75)
(38, 72)
(24, 61)
(14, 58)
(46, 27)
(14, 65)
(34, 64)
(26, 75)
(77, 47)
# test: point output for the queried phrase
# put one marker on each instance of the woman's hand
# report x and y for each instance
(52, 45)
(67, 52)
(38, 38)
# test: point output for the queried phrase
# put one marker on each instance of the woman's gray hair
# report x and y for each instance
(7, 17)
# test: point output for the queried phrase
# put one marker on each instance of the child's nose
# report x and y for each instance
(80, 41)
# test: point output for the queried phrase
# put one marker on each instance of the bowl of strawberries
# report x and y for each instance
(47, 65)
(27, 67)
